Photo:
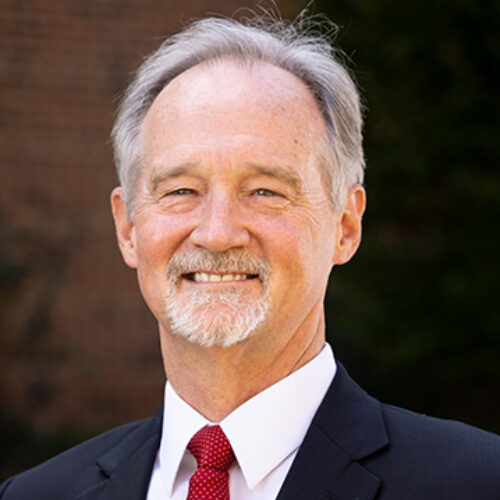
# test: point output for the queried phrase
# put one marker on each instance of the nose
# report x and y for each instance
(221, 226)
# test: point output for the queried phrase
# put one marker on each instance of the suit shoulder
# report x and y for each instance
(419, 428)
(455, 458)
(67, 473)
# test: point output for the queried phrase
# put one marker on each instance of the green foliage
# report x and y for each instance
(416, 311)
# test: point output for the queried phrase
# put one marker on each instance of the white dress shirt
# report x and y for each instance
(265, 433)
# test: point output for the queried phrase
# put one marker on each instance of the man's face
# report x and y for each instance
(233, 234)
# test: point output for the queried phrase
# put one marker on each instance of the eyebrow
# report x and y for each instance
(280, 173)
(169, 173)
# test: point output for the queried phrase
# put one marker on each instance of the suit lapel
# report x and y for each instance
(126, 469)
(347, 427)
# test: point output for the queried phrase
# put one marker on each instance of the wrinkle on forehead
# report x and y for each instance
(234, 95)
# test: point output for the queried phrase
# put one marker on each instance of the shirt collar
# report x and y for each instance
(263, 431)
(180, 423)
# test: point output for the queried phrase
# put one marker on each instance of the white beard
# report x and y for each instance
(209, 317)
(194, 317)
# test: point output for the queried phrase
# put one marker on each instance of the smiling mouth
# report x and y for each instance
(200, 277)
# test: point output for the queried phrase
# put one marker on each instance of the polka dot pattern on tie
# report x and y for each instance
(214, 456)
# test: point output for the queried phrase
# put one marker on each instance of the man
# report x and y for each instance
(240, 162)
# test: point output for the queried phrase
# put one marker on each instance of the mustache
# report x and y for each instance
(230, 261)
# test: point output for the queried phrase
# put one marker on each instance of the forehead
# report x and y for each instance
(231, 108)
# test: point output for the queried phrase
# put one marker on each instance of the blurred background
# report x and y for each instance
(414, 316)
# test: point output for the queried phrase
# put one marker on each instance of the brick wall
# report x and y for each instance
(78, 348)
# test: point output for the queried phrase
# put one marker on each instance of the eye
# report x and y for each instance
(182, 191)
(265, 192)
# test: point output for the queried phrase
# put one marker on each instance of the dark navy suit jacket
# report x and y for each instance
(355, 449)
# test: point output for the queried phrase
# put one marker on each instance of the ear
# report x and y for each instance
(349, 225)
(125, 230)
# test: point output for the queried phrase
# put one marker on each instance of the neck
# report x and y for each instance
(216, 380)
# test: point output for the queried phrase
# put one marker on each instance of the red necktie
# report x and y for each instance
(214, 455)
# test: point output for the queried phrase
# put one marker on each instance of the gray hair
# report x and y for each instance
(301, 47)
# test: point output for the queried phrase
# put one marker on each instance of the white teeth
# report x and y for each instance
(205, 277)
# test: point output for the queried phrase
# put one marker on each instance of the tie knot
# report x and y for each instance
(211, 448)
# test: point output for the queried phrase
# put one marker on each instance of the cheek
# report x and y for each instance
(286, 244)
(299, 250)
(158, 238)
